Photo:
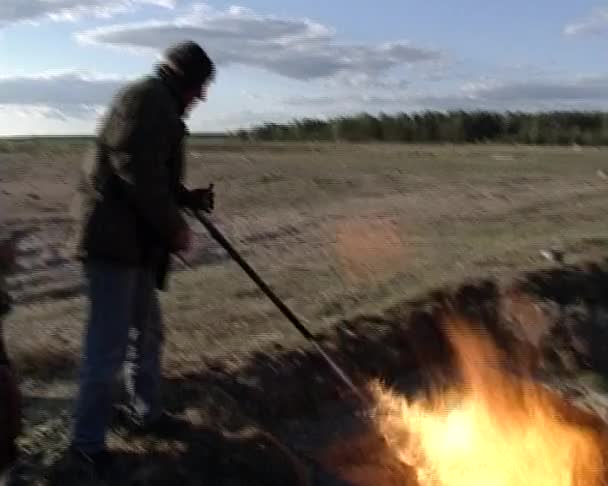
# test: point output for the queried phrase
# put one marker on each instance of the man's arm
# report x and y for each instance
(151, 192)
(142, 139)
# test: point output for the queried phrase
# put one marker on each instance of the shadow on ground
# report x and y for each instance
(265, 423)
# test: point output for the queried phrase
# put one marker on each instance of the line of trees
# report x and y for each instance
(549, 128)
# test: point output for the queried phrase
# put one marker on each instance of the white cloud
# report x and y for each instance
(364, 81)
(73, 95)
(30, 120)
(12, 11)
(579, 90)
(242, 119)
(295, 48)
(59, 95)
(595, 23)
(355, 100)
(582, 93)
(69, 96)
(42, 112)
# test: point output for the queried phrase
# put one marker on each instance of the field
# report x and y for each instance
(338, 230)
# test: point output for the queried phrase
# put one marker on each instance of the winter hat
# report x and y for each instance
(190, 62)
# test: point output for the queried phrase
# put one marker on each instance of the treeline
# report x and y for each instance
(549, 128)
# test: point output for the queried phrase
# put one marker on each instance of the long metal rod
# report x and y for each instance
(219, 237)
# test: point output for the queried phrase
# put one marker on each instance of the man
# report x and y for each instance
(10, 400)
(132, 195)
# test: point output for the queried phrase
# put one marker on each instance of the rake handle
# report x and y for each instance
(219, 237)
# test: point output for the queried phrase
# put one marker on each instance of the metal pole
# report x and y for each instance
(219, 237)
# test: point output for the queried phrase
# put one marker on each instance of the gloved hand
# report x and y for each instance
(202, 199)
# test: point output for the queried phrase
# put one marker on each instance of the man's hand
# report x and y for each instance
(202, 199)
(183, 240)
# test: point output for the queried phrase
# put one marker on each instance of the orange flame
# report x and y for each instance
(493, 430)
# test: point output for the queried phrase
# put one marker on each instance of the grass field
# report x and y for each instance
(338, 230)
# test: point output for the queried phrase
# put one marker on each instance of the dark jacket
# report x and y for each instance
(10, 400)
(5, 270)
(131, 188)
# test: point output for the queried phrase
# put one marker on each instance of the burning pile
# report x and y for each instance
(495, 428)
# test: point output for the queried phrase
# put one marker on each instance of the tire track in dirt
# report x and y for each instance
(47, 270)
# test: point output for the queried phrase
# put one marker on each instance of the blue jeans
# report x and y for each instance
(124, 329)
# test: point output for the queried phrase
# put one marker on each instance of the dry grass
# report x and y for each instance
(338, 230)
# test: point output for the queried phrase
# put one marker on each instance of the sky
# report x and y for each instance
(61, 61)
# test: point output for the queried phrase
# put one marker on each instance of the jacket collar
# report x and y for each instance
(173, 84)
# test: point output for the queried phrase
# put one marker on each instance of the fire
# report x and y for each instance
(494, 429)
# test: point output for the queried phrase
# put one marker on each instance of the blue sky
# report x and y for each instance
(61, 60)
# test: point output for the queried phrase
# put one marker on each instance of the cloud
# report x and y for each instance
(35, 112)
(13, 11)
(596, 23)
(584, 89)
(582, 93)
(294, 48)
(353, 99)
(56, 95)
(74, 95)
(364, 81)
(243, 119)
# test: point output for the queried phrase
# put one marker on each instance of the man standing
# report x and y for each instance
(132, 196)
(10, 399)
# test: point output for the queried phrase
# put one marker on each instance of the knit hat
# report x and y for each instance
(190, 62)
